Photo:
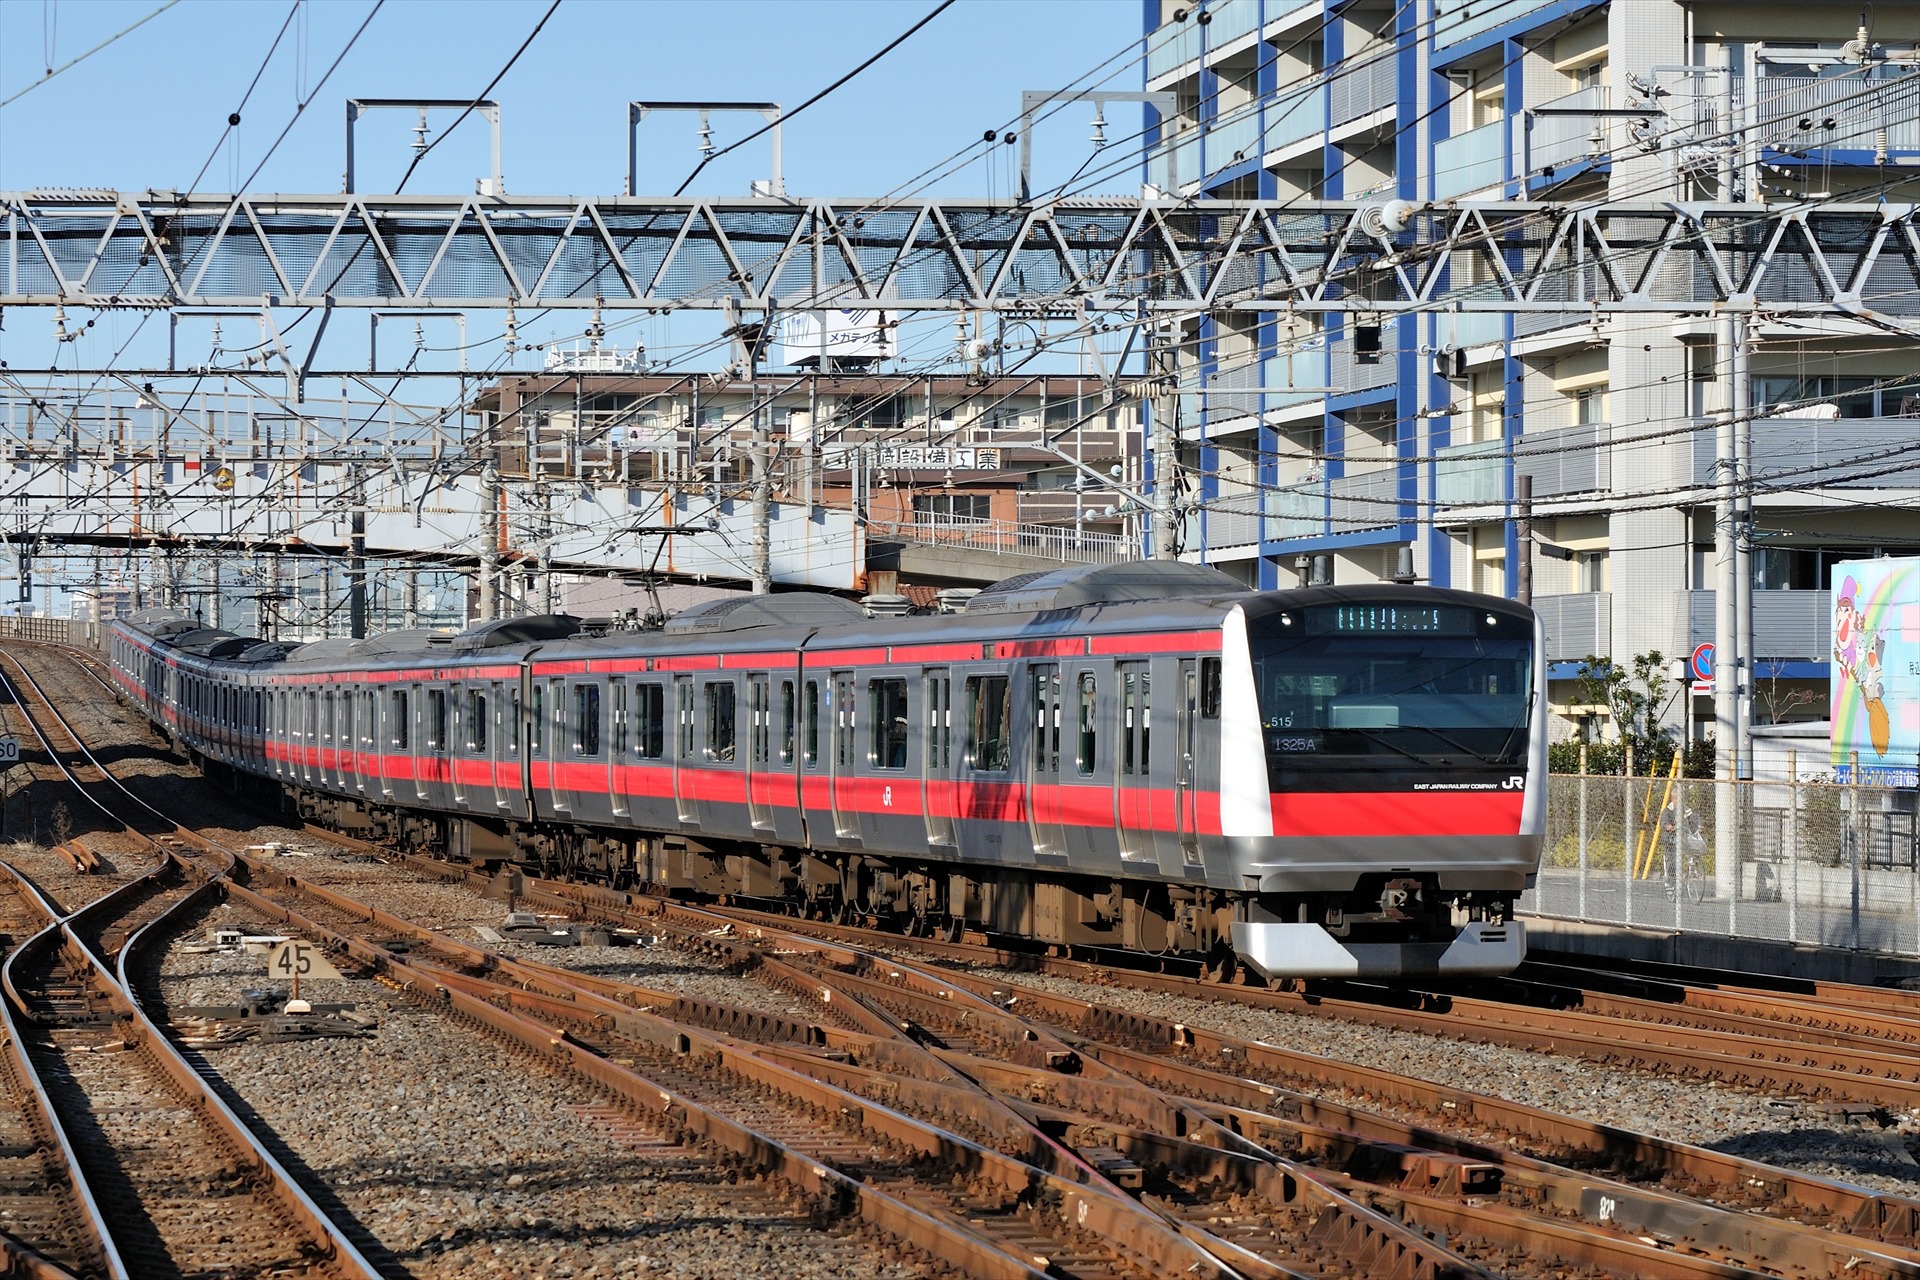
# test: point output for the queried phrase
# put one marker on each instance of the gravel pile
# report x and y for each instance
(466, 1161)
(1776, 1130)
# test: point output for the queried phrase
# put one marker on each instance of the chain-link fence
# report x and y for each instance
(1810, 862)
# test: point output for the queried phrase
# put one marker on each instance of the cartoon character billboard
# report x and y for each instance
(1876, 671)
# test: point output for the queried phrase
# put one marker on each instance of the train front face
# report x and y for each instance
(1383, 779)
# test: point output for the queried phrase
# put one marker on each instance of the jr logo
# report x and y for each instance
(886, 797)
(1518, 782)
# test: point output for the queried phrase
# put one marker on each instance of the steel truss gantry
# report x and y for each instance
(158, 249)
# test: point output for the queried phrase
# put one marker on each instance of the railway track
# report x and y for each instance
(178, 1184)
(1267, 1179)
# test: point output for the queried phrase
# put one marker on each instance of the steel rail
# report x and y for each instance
(227, 1127)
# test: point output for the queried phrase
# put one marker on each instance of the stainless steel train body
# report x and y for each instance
(1326, 782)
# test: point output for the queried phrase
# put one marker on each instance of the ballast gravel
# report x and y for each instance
(464, 1160)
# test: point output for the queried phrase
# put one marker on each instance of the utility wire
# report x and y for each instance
(74, 62)
(895, 43)
(479, 97)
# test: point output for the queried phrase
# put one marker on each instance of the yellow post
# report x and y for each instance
(1650, 832)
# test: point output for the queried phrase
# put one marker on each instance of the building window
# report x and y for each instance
(939, 508)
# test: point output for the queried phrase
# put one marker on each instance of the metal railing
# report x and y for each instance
(1554, 140)
(1470, 475)
(1170, 46)
(1577, 624)
(1808, 861)
(1001, 537)
(1295, 116)
(1370, 500)
(1792, 624)
(1797, 453)
(1361, 85)
(1791, 112)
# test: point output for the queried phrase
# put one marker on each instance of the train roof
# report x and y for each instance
(1093, 584)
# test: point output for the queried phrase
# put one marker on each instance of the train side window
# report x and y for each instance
(987, 714)
(537, 717)
(476, 720)
(650, 739)
(786, 722)
(1046, 717)
(1209, 688)
(586, 719)
(720, 719)
(887, 714)
(402, 723)
(1084, 755)
(436, 719)
(812, 738)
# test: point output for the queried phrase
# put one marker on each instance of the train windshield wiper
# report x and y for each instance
(1457, 745)
(1380, 736)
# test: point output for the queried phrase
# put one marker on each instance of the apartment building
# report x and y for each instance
(1338, 449)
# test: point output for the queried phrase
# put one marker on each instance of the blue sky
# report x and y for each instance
(147, 111)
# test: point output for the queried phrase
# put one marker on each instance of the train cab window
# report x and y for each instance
(436, 719)
(397, 713)
(887, 714)
(476, 720)
(650, 736)
(720, 720)
(537, 717)
(1209, 688)
(586, 719)
(786, 722)
(1084, 753)
(812, 738)
(987, 715)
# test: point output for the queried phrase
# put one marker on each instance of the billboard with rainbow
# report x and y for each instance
(1875, 687)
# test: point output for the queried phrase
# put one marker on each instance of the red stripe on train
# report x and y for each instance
(1397, 813)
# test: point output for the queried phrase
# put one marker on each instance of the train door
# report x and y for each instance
(393, 740)
(1043, 760)
(1186, 798)
(557, 745)
(503, 733)
(936, 772)
(789, 825)
(617, 745)
(417, 755)
(760, 782)
(845, 750)
(1133, 762)
(463, 743)
(683, 747)
(370, 771)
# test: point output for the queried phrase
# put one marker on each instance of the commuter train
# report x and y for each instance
(1327, 782)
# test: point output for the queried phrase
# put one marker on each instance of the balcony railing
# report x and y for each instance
(1305, 369)
(1472, 161)
(1370, 500)
(1804, 453)
(1346, 371)
(1567, 460)
(1576, 625)
(1295, 116)
(1234, 391)
(1231, 19)
(1470, 475)
(1234, 137)
(1786, 624)
(1001, 537)
(1458, 20)
(1176, 164)
(1555, 140)
(1858, 107)
(1362, 85)
(1172, 45)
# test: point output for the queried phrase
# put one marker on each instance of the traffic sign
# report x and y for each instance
(9, 750)
(1701, 662)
